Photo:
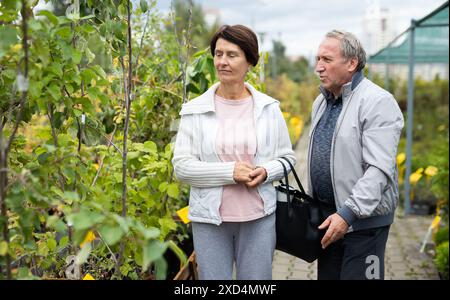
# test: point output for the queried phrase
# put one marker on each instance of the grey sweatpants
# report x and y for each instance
(249, 244)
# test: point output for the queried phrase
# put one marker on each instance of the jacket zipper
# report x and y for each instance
(338, 126)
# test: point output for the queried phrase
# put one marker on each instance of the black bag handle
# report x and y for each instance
(295, 175)
(289, 202)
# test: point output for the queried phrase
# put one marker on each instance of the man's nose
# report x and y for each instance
(319, 67)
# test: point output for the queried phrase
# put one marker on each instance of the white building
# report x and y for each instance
(378, 27)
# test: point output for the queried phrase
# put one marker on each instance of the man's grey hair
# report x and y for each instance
(350, 47)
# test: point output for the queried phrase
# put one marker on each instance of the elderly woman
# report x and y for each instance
(227, 148)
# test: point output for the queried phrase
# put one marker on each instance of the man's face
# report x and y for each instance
(230, 62)
(332, 68)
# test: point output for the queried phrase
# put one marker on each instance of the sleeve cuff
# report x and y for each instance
(347, 214)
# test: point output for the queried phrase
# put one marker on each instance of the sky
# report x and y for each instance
(301, 24)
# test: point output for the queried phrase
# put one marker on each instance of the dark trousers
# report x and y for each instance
(358, 256)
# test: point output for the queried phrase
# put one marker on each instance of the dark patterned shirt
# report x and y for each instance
(321, 150)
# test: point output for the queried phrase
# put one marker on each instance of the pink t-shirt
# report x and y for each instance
(236, 141)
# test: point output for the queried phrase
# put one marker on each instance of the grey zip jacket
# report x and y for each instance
(363, 153)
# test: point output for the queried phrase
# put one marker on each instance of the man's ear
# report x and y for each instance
(353, 63)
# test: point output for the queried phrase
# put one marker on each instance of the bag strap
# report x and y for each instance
(289, 202)
(286, 180)
(295, 175)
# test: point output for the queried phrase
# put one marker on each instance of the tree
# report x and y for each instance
(297, 70)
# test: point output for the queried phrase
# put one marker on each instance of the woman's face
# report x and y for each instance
(230, 62)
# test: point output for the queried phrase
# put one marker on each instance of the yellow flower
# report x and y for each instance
(183, 214)
(441, 127)
(298, 131)
(286, 114)
(88, 277)
(16, 48)
(116, 62)
(401, 158)
(419, 171)
(414, 178)
(90, 236)
(431, 171)
(294, 121)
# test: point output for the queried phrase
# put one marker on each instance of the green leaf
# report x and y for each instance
(40, 150)
(104, 100)
(99, 71)
(178, 252)
(167, 225)
(69, 197)
(87, 17)
(3, 248)
(200, 53)
(211, 69)
(85, 219)
(64, 32)
(42, 159)
(50, 16)
(11, 4)
(125, 269)
(148, 233)
(111, 234)
(192, 88)
(93, 92)
(144, 6)
(122, 222)
(133, 155)
(88, 28)
(51, 244)
(152, 251)
(172, 190)
(63, 241)
(87, 75)
(150, 147)
(56, 69)
(122, 10)
(54, 91)
(76, 56)
(161, 268)
(60, 226)
(42, 249)
(51, 220)
(8, 36)
(88, 107)
(83, 254)
(69, 173)
(89, 55)
(23, 272)
(163, 186)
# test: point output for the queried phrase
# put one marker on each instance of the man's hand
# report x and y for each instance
(337, 228)
(258, 176)
(241, 172)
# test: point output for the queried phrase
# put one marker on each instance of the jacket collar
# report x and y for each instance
(205, 102)
(346, 88)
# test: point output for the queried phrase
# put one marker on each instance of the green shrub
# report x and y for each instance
(441, 259)
(441, 236)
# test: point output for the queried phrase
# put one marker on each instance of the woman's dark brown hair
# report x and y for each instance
(242, 36)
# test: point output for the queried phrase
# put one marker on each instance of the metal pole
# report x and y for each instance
(410, 111)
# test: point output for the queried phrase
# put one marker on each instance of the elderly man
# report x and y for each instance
(356, 127)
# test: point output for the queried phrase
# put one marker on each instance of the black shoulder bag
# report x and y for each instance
(297, 219)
